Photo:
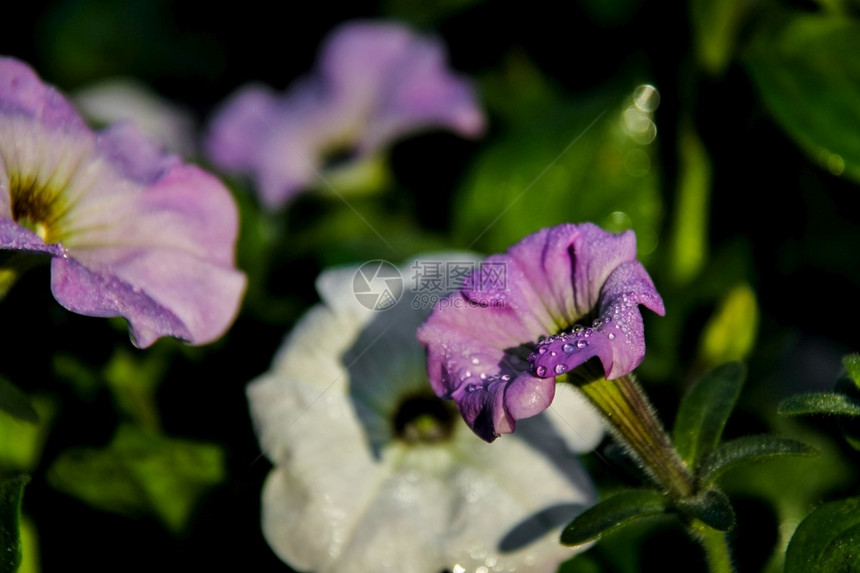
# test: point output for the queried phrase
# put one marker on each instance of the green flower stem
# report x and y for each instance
(715, 545)
(632, 419)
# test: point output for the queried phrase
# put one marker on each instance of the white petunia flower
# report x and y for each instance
(373, 472)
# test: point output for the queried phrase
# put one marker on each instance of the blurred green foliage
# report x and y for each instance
(741, 186)
(142, 473)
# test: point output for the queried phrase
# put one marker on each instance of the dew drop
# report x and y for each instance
(542, 350)
(611, 336)
(560, 368)
(505, 377)
(568, 348)
(553, 353)
(540, 371)
(578, 329)
(471, 388)
(581, 343)
(475, 361)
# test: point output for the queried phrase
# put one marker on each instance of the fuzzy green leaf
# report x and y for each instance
(703, 412)
(747, 450)
(612, 513)
(712, 507)
(820, 403)
(827, 540)
(11, 493)
(851, 362)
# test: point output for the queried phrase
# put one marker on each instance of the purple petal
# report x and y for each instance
(97, 294)
(566, 266)
(477, 339)
(373, 82)
(398, 81)
(617, 336)
(133, 231)
(173, 243)
(239, 127)
(14, 237)
(137, 157)
(22, 93)
(418, 92)
(278, 141)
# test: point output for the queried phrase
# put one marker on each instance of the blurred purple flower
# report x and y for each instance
(374, 82)
(133, 231)
(556, 299)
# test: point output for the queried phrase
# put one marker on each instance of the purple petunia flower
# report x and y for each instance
(133, 231)
(374, 82)
(556, 299)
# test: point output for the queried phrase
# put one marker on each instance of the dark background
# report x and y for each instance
(797, 223)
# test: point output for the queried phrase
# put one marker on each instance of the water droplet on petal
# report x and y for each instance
(581, 343)
(542, 350)
(553, 353)
(560, 368)
(611, 336)
(540, 371)
(568, 348)
(577, 329)
(505, 377)
(475, 361)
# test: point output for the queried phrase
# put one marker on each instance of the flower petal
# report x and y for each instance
(617, 336)
(14, 237)
(334, 503)
(134, 231)
(373, 82)
(90, 293)
(239, 127)
(480, 337)
(23, 93)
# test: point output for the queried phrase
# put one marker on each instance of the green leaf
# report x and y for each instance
(588, 159)
(141, 473)
(827, 540)
(21, 443)
(799, 64)
(731, 332)
(688, 241)
(820, 403)
(712, 507)
(716, 26)
(612, 513)
(11, 493)
(851, 362)
(15, 403)
(133, 379)
(747, 450)
(703, 412)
